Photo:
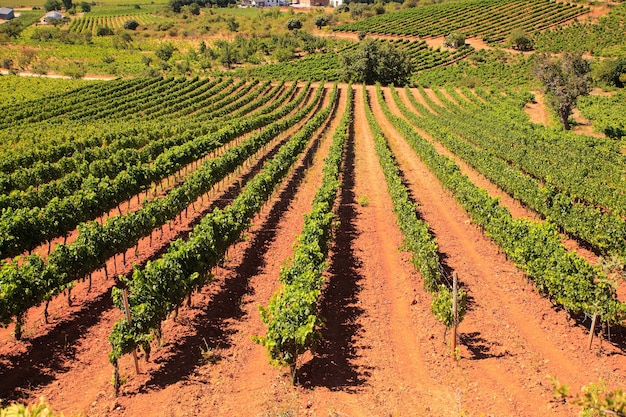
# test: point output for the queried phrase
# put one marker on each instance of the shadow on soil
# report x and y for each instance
(49, 353)
(210, 326)
(479, 346)
(332, 365)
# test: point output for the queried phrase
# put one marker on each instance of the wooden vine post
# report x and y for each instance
(455, 311)
(592, 328)
(127, 308)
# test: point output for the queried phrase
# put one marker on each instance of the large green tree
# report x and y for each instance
(564, 79)
(375, 61)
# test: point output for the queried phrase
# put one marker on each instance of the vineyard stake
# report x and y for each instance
(455, 311)
(127, 308)
(592, 328)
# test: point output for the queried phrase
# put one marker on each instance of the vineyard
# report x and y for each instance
(92, 23)
(491, 20)
(327, 65)
(218, 226)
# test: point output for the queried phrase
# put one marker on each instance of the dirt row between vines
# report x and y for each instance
(382, 352)
(46, 346)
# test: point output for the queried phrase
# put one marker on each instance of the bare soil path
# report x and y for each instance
(512, 337)
(382, 352)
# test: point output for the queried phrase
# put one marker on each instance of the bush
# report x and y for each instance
(85, 7)
(521, 41)
(165, 52)
(610, 73)
(194, 9)
(454, 40)
(51, 5)
(131, 24)
(293, 24)
(104, 31)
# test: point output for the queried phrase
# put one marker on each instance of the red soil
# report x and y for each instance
(382, 352)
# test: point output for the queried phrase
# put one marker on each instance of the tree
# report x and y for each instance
(320, 21)
(194, 9)
(293, 24)
(131, 24)
(454, 40)
(85, 7)
(67, 4)
(12, 28)
(165, 52)
(564, 80)
(175, 5)
(373, 61)
(520, 40)
(227, 53)
(51, 5)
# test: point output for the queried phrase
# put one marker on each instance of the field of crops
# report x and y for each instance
(199, 198)
(327, 66)
(90, 24)
(491, 20)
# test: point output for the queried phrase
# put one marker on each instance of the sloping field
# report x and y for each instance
(192, 197)
(491, 20)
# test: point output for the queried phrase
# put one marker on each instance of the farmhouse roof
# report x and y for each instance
(53, 15)
(6, 12)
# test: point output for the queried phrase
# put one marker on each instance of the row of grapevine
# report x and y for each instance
(327, 66)
(81, 160)
(162, 285)
(606, 113)
(574, 164)
(292, 315)
(603, 38)
(604, 231)
(98, 242)
(492, 20)
(418, 240)
(536, 248)
(25, 229)
(42, 109)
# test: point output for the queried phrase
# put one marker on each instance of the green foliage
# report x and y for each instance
(520, 40)
(294, 24)
(85, 7)
(596, 401)
(50, 5)
(373, 62)
(132, 25)
(165, 51)
(564, 80)
(163, 284)
(441, 306)
(67, 4)
(41, 409)
(492, 20)
(606, 113)
(321, 21)
(604, 38)
(454, 40)
(610, 72)
(292, 314)
(104, 31)
(194, 9)
(536, 248)
(232, 24)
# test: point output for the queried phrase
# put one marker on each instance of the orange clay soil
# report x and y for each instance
(382, 353)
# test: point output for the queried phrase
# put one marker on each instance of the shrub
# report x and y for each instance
(131, 24)
(454, 40)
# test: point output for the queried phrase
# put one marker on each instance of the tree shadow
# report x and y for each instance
(332, 366)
